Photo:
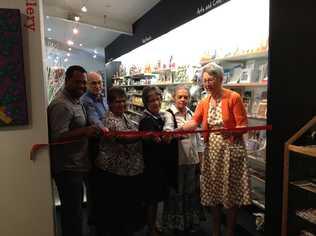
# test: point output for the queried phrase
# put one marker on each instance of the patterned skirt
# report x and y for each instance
(225, 177)
(183, 210)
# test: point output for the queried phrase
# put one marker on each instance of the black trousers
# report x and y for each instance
(118, 204)
(70, 190)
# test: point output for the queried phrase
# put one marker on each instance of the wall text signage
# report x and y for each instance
(30, 15)
(210, 5)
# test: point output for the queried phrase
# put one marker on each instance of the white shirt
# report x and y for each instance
(188, 147)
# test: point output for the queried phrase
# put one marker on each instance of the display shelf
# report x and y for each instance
(134, 112)
(135, 104)
(134, 94)
(256, 118)
(257, 162)
(305, 186)
(259, 204)
(305, 150)
(236, 85)
(304, 223)
(244, 57)
(159, 85)
(258, 179)
(305, 189)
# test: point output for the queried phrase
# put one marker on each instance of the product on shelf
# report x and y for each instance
(308, 214)
(55, 81)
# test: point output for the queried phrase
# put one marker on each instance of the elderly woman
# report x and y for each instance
(224, 178)
(160, 158)
(183, 211)
(119, 173)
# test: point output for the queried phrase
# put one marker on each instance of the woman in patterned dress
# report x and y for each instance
(118, 177)
(225, 180)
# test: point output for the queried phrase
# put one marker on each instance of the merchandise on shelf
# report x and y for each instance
(55, 80)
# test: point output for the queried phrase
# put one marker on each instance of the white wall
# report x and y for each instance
(25, 188)
(76, 57)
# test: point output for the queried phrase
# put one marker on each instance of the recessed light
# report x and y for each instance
(68, 54)
(49, 29)
(94, 27)
(75, 30)
(80, 44)
(70, 43)
(84, 8)
(95, 51)
(69, 49)
(94, 56)
(66, 59)
(57, 58)
(77, 18)
(47, 17)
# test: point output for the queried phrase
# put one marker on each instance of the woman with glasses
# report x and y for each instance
(160, 157)
(225, 179)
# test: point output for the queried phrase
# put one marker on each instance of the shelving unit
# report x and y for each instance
(298, 184)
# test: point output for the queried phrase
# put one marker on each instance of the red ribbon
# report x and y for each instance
(143, 134)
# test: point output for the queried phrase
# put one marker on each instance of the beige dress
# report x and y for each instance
(225, 179)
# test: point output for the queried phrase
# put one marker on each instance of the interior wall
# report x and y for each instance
(26, 206)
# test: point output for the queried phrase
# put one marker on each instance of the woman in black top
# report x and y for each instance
(160, 157)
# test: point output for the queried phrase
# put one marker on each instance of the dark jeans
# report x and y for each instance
(70, 190)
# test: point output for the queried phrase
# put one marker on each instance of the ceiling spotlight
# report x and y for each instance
(57, 58)
(84, 8)
(75, 30)
(95, 51)
(66, 59)
(68, 54)
(77, 18)
(94, 56)
(69, 49)
(70, 43)
(80, 44)
(49, 29)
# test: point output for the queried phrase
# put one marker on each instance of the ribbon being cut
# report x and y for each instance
(149, 134)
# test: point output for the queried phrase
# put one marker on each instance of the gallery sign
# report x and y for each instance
(30, 15)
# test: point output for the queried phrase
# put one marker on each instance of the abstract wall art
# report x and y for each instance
(13, 109)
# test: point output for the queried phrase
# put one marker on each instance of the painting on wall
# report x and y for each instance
(13, 109)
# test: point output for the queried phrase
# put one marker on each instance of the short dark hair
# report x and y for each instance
(114, 93)
(147, 90)
(71, 69)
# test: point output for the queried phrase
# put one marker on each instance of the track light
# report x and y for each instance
(84, 8)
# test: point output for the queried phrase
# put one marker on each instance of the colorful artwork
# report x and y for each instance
(13, 110)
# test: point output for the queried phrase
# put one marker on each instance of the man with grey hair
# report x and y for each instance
(96, 106)
(94, 100)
